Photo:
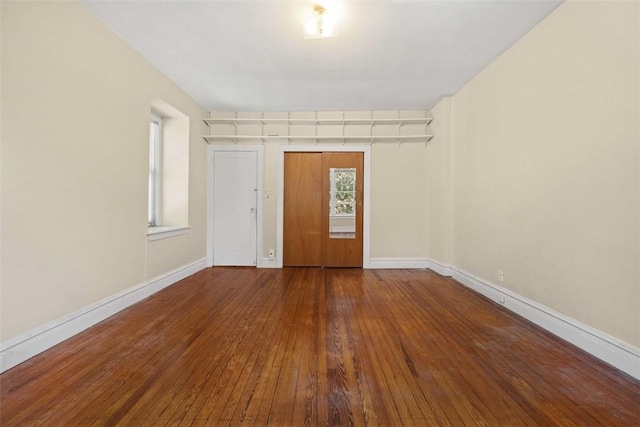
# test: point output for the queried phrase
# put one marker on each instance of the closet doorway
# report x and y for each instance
(323, 205)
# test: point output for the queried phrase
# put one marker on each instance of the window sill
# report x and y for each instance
(164, 232)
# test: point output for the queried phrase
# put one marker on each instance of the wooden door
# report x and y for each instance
(311, 236)
(302, 209)
(342, 247)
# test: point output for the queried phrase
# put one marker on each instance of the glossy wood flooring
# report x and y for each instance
(316, 347)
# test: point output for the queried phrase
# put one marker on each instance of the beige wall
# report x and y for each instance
(547, 164)
(75, 109)
(398, 201)
(1, 186)
(439, 185)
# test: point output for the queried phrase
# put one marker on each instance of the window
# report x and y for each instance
(155, 169)
(343, 191)
(168, 196)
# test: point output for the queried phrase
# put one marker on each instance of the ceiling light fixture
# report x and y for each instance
(321, 24)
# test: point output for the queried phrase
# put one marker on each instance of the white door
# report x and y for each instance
(234, 207)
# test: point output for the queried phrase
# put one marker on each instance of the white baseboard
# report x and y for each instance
(269, 263)
(37, 340)
(440, 268)
(607, 348)
(398, 263)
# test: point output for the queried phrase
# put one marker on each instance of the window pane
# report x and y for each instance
(342, 203)
(154, 171)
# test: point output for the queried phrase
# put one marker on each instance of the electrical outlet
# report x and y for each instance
(500, 276)
(272, 253)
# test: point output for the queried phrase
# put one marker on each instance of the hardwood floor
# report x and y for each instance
(298, 347)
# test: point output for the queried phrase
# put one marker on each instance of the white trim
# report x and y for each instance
(164, 232)
(605, 347)
(156, 148)
(366, 227)
(41, 338)
(390, 263)
(366, 214)
(440, 268)
(409, 263)
(269, 263)
(211, 149)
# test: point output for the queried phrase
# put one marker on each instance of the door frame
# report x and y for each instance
(366, 214)
(211, 149)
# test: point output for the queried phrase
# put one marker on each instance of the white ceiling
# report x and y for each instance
(252, 55)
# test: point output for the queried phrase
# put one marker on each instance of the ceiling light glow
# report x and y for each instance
(320, 24)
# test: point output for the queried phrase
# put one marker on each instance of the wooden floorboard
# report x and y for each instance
(311, 347)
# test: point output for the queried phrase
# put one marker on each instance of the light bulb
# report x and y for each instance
(320, 24)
